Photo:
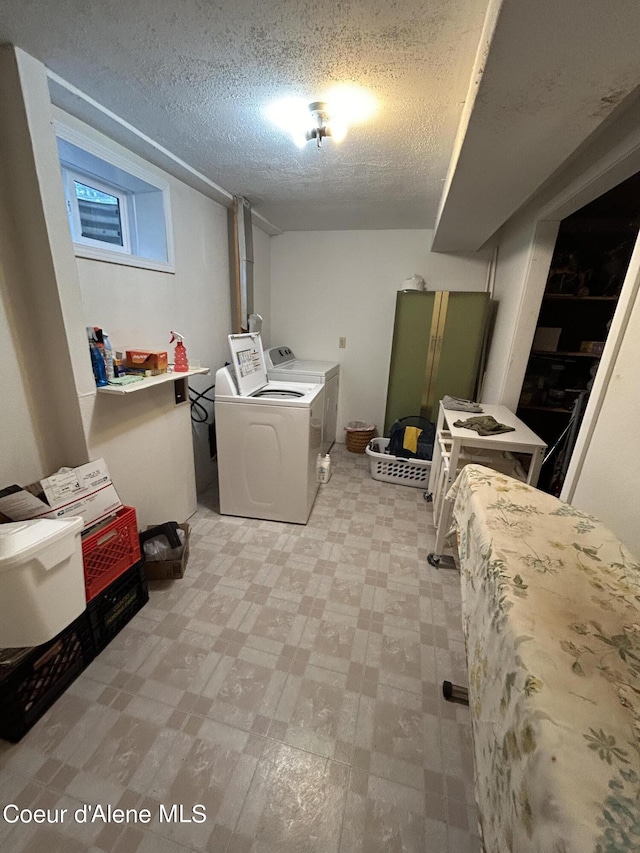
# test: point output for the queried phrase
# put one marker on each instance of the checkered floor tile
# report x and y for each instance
(284, 696)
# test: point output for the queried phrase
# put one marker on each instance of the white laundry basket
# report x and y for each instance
(393, 469)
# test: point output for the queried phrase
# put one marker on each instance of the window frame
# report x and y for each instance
(72, 175)
(127, 168)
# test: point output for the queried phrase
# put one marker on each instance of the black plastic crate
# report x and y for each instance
(32, 679)
(110, 611)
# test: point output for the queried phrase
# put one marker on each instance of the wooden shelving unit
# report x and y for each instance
(567, 297)
(556, 353)
(558, 409)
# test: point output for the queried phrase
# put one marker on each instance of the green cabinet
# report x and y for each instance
(438, 340)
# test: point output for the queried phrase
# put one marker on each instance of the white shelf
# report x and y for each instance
(150, 381)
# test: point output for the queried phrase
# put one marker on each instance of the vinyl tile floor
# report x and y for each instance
(284, 696)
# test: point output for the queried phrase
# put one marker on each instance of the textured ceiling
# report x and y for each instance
(482, 102)
(195, 76)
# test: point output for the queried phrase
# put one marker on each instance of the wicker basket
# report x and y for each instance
(359, 434)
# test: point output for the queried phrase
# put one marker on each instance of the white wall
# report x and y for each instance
(522, 267)
(331, 284)
(262, 282)
(47, 296)
(22, 455)
(609, 483)
(139, 308)
(604, 475)
(40, 422)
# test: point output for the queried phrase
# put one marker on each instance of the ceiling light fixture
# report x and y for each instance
(330, 117)
(323, 126)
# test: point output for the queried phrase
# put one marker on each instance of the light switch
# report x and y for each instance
(343, 343)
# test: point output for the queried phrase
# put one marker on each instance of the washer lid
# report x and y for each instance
(247, 357)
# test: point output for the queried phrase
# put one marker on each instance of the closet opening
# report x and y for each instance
(587, 271)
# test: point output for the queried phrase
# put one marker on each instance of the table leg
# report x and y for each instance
(456, 446)
(534, 466)
(436, 462)
(436, 458)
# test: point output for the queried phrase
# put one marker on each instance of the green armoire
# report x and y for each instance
(438, 342)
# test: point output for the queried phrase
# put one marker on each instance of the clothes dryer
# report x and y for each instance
(269, 434)
(283, 365)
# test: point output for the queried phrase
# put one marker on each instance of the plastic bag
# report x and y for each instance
(158, 548)
(359, 426)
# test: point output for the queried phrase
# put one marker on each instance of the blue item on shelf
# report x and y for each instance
(97, 363)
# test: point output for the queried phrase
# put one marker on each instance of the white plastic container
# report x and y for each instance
(324, 468)
(41, 579)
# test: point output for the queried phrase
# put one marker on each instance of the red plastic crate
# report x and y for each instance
(110, 551)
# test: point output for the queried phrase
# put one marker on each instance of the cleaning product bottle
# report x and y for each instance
(97, 338)
(97, 363)
(108, 352)
(180, 361)
(327, 468)
(323, 468)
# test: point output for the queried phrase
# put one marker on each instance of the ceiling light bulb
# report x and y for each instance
(339, 129)
(305, 121)
(351, 104)
(300, 138)
(291, 115)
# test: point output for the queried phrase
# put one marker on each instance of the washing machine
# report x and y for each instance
(282, 364)
(269, 434)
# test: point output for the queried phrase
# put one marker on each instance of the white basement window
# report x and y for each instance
(117, 212)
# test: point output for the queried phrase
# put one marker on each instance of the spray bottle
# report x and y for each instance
(107, 354)
(180, 361)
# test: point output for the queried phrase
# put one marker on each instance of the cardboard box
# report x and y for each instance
(156, 570)
(86, 491)
(546, 339)
(153, 360)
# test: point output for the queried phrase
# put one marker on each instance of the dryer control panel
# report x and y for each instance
(279, 355)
